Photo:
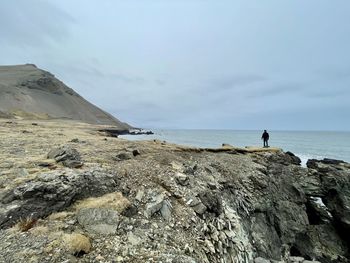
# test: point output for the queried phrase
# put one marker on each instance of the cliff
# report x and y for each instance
(70, 194)
(31, 93)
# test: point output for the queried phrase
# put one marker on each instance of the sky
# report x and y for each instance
(194, 64)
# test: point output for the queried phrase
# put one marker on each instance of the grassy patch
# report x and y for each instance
(115, 201)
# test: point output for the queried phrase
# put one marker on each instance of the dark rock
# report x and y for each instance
(136, 152)
(290, 220)
(45, 164)
(336, 191)
(72, 163)
(212, 200)
(130, 211)
(264, 235)
(69, 157)
(317, 212)
(294, 159)
(51, 192)
(331, 161)
(284, 158)
(124, 156)
(321, 242)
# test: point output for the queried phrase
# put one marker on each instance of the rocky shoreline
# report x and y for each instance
(113, 132)
(70, 193)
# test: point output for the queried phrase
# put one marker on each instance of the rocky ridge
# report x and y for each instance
(27, 92)
(153, 201)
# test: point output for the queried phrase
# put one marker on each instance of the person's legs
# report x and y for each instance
(264, 143)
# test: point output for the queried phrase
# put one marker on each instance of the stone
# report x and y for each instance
(212, 185)
(133, 239)
(136, 152)
(72, 163)
(212, 201)
(124, 156)
(64, 153)
(182, 179)
(99, 220)
(165, 211)
(199, 209)
(261, 260)
(293, 158)
(155, 206)
(296, 259)
(139, 195)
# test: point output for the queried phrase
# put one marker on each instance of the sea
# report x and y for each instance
(305, 144)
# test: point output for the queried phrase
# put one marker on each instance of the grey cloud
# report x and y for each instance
(87, 71)
(32, 23)
(160, 82)
(275, 90)
(230, 82)
(327, 94)
(333, 73)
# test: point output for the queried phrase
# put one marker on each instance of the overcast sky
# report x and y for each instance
(236, 64)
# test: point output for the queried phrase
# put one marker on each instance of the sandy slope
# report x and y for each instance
(31, 93)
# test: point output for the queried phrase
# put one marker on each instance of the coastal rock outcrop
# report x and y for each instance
(165, 202)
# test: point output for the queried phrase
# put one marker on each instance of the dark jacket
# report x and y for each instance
(265, 136)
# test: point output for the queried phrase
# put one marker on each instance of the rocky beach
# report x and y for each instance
(72, 193)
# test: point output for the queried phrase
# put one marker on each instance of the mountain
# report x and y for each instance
(31, 93)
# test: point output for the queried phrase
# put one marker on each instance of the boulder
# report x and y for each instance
(99, 220)
(293, 158)
(69, 156)
(154, 207)
(159, 204)
(52, 192)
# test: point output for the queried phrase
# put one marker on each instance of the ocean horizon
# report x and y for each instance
(305, 144)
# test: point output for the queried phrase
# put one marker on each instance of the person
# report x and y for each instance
(265, 136)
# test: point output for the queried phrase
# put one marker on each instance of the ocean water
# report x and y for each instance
(305, 144)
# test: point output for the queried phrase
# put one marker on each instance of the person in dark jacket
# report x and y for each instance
(265, 136)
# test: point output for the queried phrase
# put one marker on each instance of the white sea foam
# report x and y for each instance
(305, 157)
